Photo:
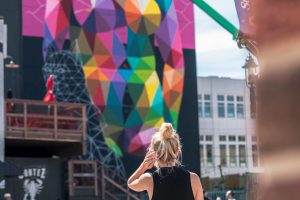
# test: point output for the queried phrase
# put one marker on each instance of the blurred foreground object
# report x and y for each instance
(277, 32)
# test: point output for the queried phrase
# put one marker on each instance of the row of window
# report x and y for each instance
(230, 155)
(230, 107)
(222, 138)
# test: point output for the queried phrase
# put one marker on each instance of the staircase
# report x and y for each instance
(89, 180)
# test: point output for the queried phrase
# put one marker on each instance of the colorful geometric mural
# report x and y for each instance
(134, 91)
(34, 15)
(123, 59)
(70, 86)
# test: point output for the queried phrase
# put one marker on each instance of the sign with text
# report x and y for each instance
(41, 179)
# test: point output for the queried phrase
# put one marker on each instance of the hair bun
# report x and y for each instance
(166, 131)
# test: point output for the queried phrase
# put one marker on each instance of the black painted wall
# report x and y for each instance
(26, 81)
(188, 126)
(11, 11)
(49, 175)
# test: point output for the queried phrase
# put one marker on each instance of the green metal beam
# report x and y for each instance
(218, 18)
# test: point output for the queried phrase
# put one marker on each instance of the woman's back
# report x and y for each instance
(167, 183)
(172, 183)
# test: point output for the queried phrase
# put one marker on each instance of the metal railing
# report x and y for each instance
(98, 180)
(37, 120)
(112, 188)
(83, 174)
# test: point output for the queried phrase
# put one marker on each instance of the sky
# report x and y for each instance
(217, 53)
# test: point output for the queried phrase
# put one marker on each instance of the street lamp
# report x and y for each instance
(251, 75)
(11, 63)
(251, 71)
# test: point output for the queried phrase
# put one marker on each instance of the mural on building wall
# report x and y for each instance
(131, 55)
(70, 86)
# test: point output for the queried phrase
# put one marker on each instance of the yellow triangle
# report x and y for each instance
(88, 71)
(151, 86)
(91, 63)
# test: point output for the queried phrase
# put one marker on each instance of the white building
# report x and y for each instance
(227, 131)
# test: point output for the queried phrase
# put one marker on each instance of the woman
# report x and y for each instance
(169, 181)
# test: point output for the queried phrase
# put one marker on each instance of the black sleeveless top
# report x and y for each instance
(172, 183)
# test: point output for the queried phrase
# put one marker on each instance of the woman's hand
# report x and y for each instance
(149, 160)
(139, 180)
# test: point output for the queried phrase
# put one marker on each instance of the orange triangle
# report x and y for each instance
(100, 59)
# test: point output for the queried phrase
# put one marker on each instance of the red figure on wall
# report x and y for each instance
(49, 97)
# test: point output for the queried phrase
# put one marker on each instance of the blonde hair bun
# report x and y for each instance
(166, 131)
(166, 144)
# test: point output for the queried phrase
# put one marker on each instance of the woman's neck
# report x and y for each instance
(172, 164)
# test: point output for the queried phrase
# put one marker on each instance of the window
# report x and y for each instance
(200, 105)
(201, 137)
(240, 110)
(209, 159)
(206, 102)
(230, 98)
(221, 106)
(230, 107)
(242, 139)
(232, 138)
(201, 156)
(207, 109)
(220, 97)
(242, 155)
(222, 138)
(240, 107)
(254, 139)
(207, 97)
(199, 97)
(223, 155)
(208, 138)
(240, 99)
(232, 156)
(221, 110)
(255, 155)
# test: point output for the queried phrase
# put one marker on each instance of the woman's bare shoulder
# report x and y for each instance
(194, 177)
(196, 186)
(147, 176)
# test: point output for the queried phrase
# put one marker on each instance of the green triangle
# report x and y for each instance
(85, 58)
(135, 91)
(113, 116)
(143, 74)
(174, 116)
(135, 79)
(113, 146)
(152, 123)
(134, 61)
(152, 114)
(147, 49)
(148, 62)
(133, 119)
